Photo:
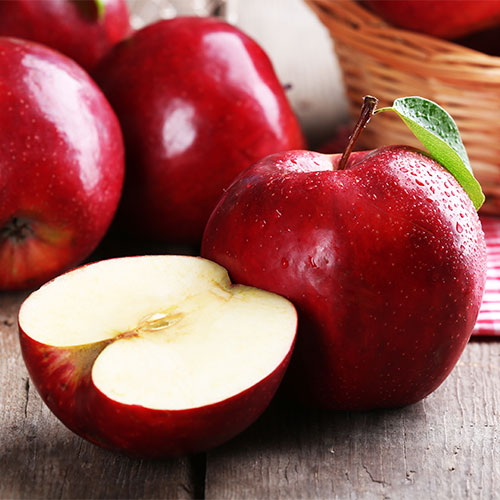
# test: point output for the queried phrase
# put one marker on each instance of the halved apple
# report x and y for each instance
(155, 355)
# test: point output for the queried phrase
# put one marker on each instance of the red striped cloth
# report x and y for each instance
(488, 320)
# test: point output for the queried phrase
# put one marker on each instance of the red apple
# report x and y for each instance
(441, 18)
(158, 355)
(61, 164)
(338, 142)
(384, 259)
(83, 30)
(198, 102)
(486, 41)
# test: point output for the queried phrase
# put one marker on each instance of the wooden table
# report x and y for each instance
(445, 447)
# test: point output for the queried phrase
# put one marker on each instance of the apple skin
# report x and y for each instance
(486, 41)
(384, 261)
(198, 102)
(441, 18)
(61, 164)
(338, 142)
(62, 377)
(70, 27)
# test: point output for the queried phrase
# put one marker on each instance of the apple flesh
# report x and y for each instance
(384, 260)
(75, 28)
(61, 164)
(198, 102)
(156, 355)
(440, 18)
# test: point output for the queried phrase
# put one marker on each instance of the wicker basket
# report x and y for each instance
(386, 62)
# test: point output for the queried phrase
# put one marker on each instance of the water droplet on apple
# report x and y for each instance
(459, 228)
(284, 263)
(312, 262)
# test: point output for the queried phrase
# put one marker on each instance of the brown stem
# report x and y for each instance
(369, 104)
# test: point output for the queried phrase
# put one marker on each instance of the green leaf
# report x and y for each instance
(437, 131)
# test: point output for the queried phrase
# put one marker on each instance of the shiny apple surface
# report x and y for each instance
(198, 102)
(385, 262)
(61, 164)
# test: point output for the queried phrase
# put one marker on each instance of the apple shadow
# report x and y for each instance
(484, 339)
(287, 429)
(116, 244)
(70, 467)
(60, 464)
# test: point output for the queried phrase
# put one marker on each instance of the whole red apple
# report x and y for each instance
(174, 366)
(61, 164)
(441, 18)
(198, 102)
(83, 30)
(383, 256)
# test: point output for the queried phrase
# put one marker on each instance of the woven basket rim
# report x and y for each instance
(379, 59)
(352, 24)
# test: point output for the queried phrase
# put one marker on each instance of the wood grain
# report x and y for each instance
(40, 458)
(444, 447)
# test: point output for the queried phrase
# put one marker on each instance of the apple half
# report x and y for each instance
(155, 356)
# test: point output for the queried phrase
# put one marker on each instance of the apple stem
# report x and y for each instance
(369, 105)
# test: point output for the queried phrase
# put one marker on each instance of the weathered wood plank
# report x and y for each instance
(445, 447)
(40, 458)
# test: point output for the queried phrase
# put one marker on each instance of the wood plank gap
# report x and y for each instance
(443, 447)
(199, 474)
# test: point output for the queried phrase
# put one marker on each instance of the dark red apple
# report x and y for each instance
(338, 142)
(198, 102)
(61, 164)
(486, 41)
(155, 356)
(441, 18)
(384, 259)
(83, 29)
